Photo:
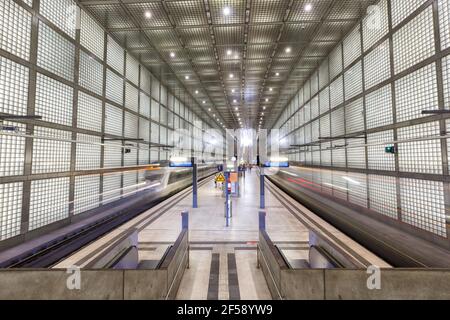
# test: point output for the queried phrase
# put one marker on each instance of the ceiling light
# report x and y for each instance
(196, 91)
(308, 7)
(277, 74)
(238, 114)
(237, 109)
(235, 101)
(271, 89)
(262, 114)
(229, 52)
(236, 57)
(172, 54)
(148, 14)
(226, 11)
(204, 102)
(233, 91)
(231, 76)
(267, 100)
(264, 108)
(187, 77)
(209, 109)
(288, 50)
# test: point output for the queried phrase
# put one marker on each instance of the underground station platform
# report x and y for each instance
(224, 158)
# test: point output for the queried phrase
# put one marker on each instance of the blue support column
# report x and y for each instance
(194, 185)
(262, 220)
(227, 198)
(262, 191)
(185, 220)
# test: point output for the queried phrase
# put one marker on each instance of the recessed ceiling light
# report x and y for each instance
(236, 57)
(226, 11)
(271, 89)
(264, 108)
(204, 102)
(288, 50)
(172, 54)
(196, 91)
(187, 77)
(235, 101)
(308, 7)
(233, 91)
(209, 109)
(262, 114)
(148, 14)
(237, 109)
(267, 100)
(277, 74)
(229, 52)
(238, 114)
(231, 76)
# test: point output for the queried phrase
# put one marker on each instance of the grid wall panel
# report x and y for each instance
(379, 110)
(356, 156)
(444, 22)
(92, 36)
(353, 81)
(446, 80)
(352, 47)
(49, 202)
(13, 87)
(131, 125)
(383, 195)
(113, 120)
(337, 92)
(422, 204)
(51, 154)
(377, 65)
(375, 24)
(112, 187)
(378, 158)
(54, 100)
(10, 209)
(416, 92)
(354, 113)
(131, 97)
(15, 26)
(12, 153)
(114, 87)
(336, 65)
(91, 74)
(55, 53)
(87, 193)
(88, 154)
(89, 112)
(414, 42)
(132, 70)
(420, 156)
(62, 13)
(144, 108)
(115, 56)
(401, 9)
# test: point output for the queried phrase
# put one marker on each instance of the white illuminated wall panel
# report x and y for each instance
(356, 156)
(375, 24)
(113, 154)
(354, 113)
(55, 53)
(414, 42)
(91, 73)
(377, 65)
(15, 26)
(112, 187)
(88, 152)
(379, 110)
(352, 47)
(89, 112)
(131, 97)
(12, 153)
(92, 36)
(145, 81)
(116, 56)
(62, 13)
(113, 120)
(336, 64)
(54, 100)
(51, 154)
(131, 125)
(353, 81)
(87, 193)
(378, 158)
(337, 92)
(383, 195)
(144, 108)
(420, 156)
(49, 202)
(444, 23)
(132, 70)
(10, 209)
(13, 87)
(114, 87)
(422, 204)
(401, 9)
(417, 92)
(446, 80)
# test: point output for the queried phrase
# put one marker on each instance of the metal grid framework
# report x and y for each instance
(373, 88)
(177, 39)
(86, 87)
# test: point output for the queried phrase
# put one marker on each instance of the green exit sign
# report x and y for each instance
(391, 150)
